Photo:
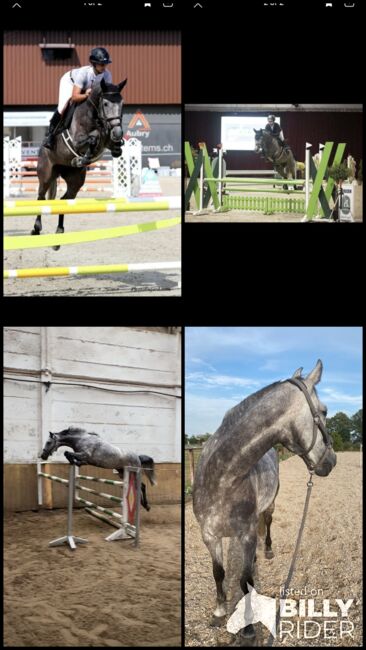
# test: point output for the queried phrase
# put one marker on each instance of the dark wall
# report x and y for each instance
(298, 129)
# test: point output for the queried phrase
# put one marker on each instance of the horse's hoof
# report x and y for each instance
(248, 632)
(268, 555)
(58, 231)
(217, 621)
(35, 232)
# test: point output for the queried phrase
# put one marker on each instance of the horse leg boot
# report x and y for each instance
(214, 545)
(248, 542)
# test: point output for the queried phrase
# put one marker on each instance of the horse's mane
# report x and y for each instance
(75, 431)
(234, 414)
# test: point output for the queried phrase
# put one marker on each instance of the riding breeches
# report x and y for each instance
(65, 91)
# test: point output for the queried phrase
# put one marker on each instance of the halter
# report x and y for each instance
(318, 424)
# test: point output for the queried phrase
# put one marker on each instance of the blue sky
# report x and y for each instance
(223, 365)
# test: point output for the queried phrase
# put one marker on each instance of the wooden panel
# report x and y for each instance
(20, 485)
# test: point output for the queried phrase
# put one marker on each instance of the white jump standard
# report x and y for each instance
(69, 538)
(129, 519)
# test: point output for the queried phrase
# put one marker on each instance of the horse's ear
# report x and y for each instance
(315, 375)
(103, 85)
(297, 373)
(122, 85)
(53, 435)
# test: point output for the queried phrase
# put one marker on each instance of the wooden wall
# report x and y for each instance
(20, 486)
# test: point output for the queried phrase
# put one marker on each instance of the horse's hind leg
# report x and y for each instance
(214, 545)
(268, 521)
(248, 540)
(46, 176)
(144, 502)
(75, 179)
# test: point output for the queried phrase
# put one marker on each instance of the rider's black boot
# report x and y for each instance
(49, 141)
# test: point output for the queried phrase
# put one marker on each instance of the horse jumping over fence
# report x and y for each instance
(91, 449)
(96, 125)
(282, 159)
(237, 475)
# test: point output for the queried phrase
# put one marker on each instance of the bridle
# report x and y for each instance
(101, 111)
(318, 424)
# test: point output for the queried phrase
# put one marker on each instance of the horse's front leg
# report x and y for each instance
(91, 141)
(214, 545)
(79, 458)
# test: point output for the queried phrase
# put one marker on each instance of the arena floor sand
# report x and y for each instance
(102, 594)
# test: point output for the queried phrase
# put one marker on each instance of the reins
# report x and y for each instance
(294, 557)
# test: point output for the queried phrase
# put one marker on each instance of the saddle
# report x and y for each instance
(66, 116)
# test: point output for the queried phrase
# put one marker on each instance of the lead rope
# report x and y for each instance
(293, 563)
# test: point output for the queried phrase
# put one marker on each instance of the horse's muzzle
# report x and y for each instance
(116, 134)
(43, 455)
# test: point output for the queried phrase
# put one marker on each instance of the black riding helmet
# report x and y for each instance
(99, 55)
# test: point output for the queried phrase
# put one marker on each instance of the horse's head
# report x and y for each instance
(107, 100)
(307, 435)
(51, 445)
(55, 441)
(258, 140)
(148, 468)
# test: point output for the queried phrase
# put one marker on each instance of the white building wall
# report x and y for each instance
(138, 369)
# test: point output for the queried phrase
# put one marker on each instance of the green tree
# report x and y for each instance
(340, 423)
(357, 433)
(338, 444)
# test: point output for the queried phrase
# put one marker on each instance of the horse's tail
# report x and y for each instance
(52, 190)
(148, 468)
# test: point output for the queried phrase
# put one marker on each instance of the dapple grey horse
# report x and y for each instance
(91, 449)
(236, 478)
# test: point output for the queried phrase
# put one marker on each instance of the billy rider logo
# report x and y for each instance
(326, 621)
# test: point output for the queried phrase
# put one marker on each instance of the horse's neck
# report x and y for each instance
(74, 442)
(242, 453)
(84, 116)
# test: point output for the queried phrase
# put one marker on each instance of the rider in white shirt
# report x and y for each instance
(77, 84)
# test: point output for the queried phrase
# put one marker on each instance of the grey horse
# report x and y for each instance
(283, 160)
(91, 449)
(237, 479)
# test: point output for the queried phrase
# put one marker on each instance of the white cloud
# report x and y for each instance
(199, 362)
(206, 380)
(205, 414)
(333, 396)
